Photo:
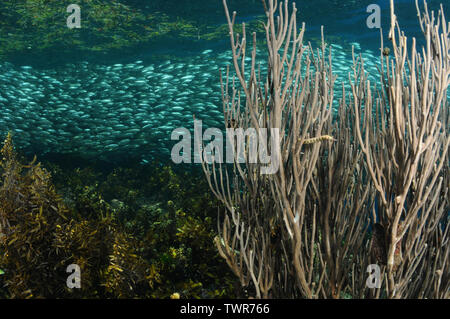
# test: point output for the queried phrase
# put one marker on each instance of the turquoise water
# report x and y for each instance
(125, 104)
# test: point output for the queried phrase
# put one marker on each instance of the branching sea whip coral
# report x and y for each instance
(301, 232)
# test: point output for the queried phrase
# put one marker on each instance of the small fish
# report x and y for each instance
(319, 139)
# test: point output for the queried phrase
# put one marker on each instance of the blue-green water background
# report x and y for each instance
(124, 106)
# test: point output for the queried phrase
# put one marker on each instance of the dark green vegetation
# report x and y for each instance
(36, 27)
(141, 232)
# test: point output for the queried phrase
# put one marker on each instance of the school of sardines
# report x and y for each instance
(97, 110)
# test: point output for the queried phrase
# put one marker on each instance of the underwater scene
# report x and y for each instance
(224, 149)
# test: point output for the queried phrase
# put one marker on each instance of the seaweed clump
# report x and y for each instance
(40, 237)
(135, 232)
(169, 213)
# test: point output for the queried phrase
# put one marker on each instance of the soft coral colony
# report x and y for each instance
(372, 195)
